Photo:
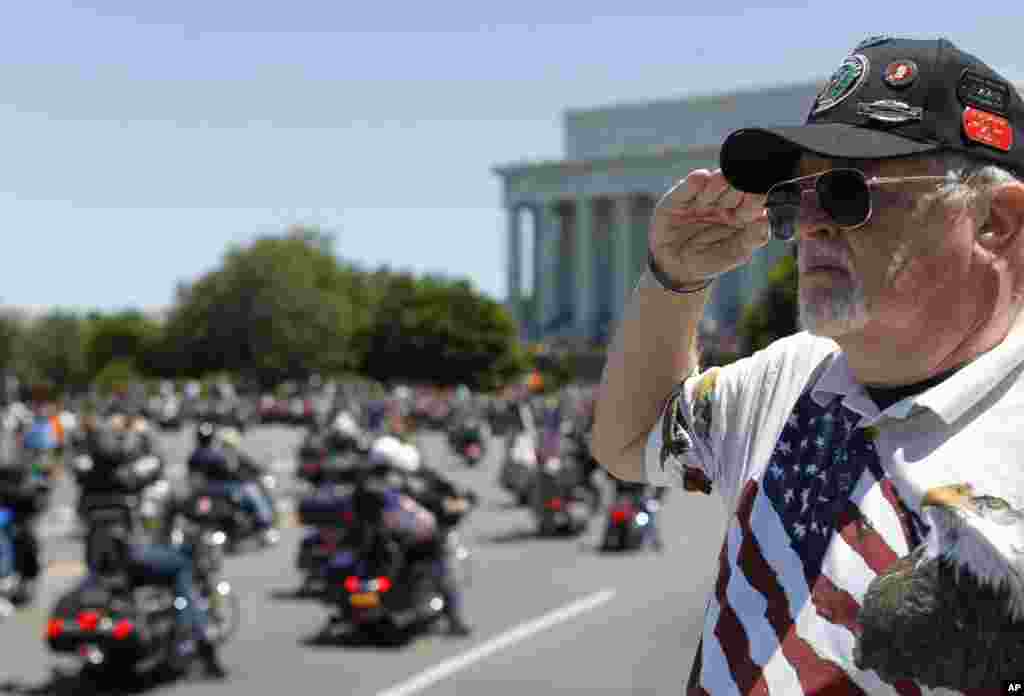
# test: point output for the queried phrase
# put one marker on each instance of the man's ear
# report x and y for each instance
(1006, 217)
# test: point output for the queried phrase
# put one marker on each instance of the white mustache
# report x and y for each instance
(817, 255)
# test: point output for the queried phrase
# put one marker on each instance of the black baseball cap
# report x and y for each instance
(890, 97)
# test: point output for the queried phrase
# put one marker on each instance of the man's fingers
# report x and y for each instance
(731, 198)
(715, 187)
(751, 209)
(685, 190)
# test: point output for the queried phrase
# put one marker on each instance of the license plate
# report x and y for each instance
(365, 600)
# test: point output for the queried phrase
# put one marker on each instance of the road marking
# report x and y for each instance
(500, 642)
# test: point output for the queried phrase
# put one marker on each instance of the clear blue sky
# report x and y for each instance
(139, 138)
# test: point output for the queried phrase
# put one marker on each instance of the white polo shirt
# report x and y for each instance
(823, 493)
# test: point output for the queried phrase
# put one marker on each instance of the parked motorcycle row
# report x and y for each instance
(389, 568)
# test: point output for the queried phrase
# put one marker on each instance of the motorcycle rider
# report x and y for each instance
(651, 497)
(24, 492)
(160, 564)
(560, 414)
(220, 461)
(343, 435)
(444, 501)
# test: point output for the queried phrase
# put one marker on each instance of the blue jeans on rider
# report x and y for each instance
(171, 565)
(252, 499)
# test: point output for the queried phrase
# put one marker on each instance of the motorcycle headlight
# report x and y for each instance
(553, 465)
(83, 463)
(269, 482)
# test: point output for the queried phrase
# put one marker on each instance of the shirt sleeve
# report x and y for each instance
(715, 422)
(681, 447)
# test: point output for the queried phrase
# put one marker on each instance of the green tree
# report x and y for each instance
(280, 308)
(52, 350)
(116, 373)
(11, 330)
(126, 335)
(774, 315)
(441, 331)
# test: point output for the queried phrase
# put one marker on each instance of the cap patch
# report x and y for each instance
(890, 111)
(844, 82)
(872, 41)
(983, 92)
(900, 73)
(988, 129)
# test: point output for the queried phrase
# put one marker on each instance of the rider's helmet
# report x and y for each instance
(344, 425)
(392, 452)
(205, 433)
(229, 438)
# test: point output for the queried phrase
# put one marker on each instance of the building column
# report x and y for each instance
(622, 240)
(584, 246)
(514, 266)
(545, 264)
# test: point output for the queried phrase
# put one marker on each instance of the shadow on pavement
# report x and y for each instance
(72, 684)
(516, 535)
(327, 638)
(504, 506)
(297, 594)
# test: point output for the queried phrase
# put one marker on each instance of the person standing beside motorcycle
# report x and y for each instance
(439, 498)
(220, 461)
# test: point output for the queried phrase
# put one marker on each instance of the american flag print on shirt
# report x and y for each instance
(806, 538)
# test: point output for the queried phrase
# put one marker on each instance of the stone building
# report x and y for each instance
(589, 213)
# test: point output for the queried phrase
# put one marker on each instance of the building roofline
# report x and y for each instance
(692, 97)
(624, 158)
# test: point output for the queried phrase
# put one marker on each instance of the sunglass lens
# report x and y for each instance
(845, 197)
(783, 206)
(782, 221)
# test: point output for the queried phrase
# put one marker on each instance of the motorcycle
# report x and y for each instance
(561, 500)
(469, 441)
(317, 465)
(382, 587)
(630, 523)
(518, 472)
(223, 508)
(111, 627)
(331, 519)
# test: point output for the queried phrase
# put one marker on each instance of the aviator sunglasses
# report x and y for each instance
(843, 194)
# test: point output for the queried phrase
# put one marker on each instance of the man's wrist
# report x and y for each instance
(654, 277)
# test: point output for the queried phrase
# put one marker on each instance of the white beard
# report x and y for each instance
(832, 311)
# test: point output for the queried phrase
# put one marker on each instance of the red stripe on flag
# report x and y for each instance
(733, 638)
(839, 607)
(862, 538)
(693, 687)
(817, 676)
(893, 498)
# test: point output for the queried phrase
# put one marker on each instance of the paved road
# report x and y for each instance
(551, 616)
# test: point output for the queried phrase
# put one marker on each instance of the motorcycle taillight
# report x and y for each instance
(622, 513)
(88, 620)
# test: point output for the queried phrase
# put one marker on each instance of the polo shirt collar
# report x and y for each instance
(949, 400)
